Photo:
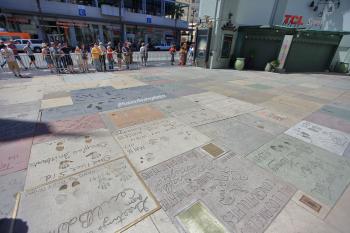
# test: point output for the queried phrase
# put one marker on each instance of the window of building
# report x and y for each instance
(154, 7)
(169, 9)
(133, 6)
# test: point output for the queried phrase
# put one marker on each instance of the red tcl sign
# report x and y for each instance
(293, 19)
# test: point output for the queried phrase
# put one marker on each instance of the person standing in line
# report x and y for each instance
(131, 51)
(144, 54)
(47, 56)
(67, 59)
(15, 52)
(9, 56)
(119, 55)
(103, 56)
(191, 54)
(126, 54)
(172, 52)
(85, 57)
(78, 58)
(110, 57)
(29, 51)
(96, 57)
(2, 45)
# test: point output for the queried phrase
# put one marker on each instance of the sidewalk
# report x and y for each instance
(168, 149)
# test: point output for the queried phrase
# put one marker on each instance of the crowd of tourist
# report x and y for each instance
(59, 57)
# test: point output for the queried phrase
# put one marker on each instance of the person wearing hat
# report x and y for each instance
(9, 56)
(103, 56)
(15, 52)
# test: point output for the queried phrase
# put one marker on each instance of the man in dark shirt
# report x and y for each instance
(15, 52)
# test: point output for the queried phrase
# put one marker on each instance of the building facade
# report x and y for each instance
(225, 16)
(87, 21)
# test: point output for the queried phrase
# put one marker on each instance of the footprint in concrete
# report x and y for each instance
(59, 146)
(88, 139)
(75, 183)
(64, 164)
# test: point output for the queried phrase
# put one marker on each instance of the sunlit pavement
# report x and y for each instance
(165, 149)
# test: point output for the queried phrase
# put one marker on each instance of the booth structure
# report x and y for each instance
(297, 50)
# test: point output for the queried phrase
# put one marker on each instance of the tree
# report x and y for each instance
(178, 13)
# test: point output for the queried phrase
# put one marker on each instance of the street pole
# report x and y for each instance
(121, 22)
(41, 20)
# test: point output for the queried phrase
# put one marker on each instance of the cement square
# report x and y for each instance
(65, 156)
(154, 142)
(91, 94)
(198, 116)
(163, 222)
(234, 190)
(259, 86)
(23, 111)
(261, 123)
(252, 96)
(294, 218)
(329, 121)
(311, 169)
(63, 112)
(205, 97)
(339, 215)
(178, 89)
(291, 106)
(277, 117)
(91, 198)
(56, 102)
(55, 95)
(332, 140)
(144, 226)
(336, 111)
(14, 155)
(231, 107)
(10, 185)
(126, 82)
(135, 116)
(239, 138)
(175, 105)
(67, 127)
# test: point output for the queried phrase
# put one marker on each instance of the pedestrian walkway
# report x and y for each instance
(167, 149)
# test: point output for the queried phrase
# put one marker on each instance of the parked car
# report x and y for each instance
(7, 36)
(162, 47)
(36, 44)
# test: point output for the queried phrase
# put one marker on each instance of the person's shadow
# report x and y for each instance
(8, 225)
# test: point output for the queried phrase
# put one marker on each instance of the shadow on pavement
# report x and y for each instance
(8, 225)
(11, 130)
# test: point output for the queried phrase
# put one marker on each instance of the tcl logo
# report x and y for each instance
(293, 20)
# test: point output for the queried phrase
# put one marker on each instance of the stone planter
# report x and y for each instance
(239, 64)
(342, 67)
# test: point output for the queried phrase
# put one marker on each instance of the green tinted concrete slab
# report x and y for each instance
(313, 170)
(259, 86)
(236, 136)
(336, 111)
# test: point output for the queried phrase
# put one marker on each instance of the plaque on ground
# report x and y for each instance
(205, 97)
(198, 116)
(67, 127)
(65, 156)
(239, 195)
(134, 116)
(108, 198)
(276, 117)
(9, 185)
(14, 155)
(236, 136)
(313, 170)
(332, 140)
(125, 82)
(154, 142)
